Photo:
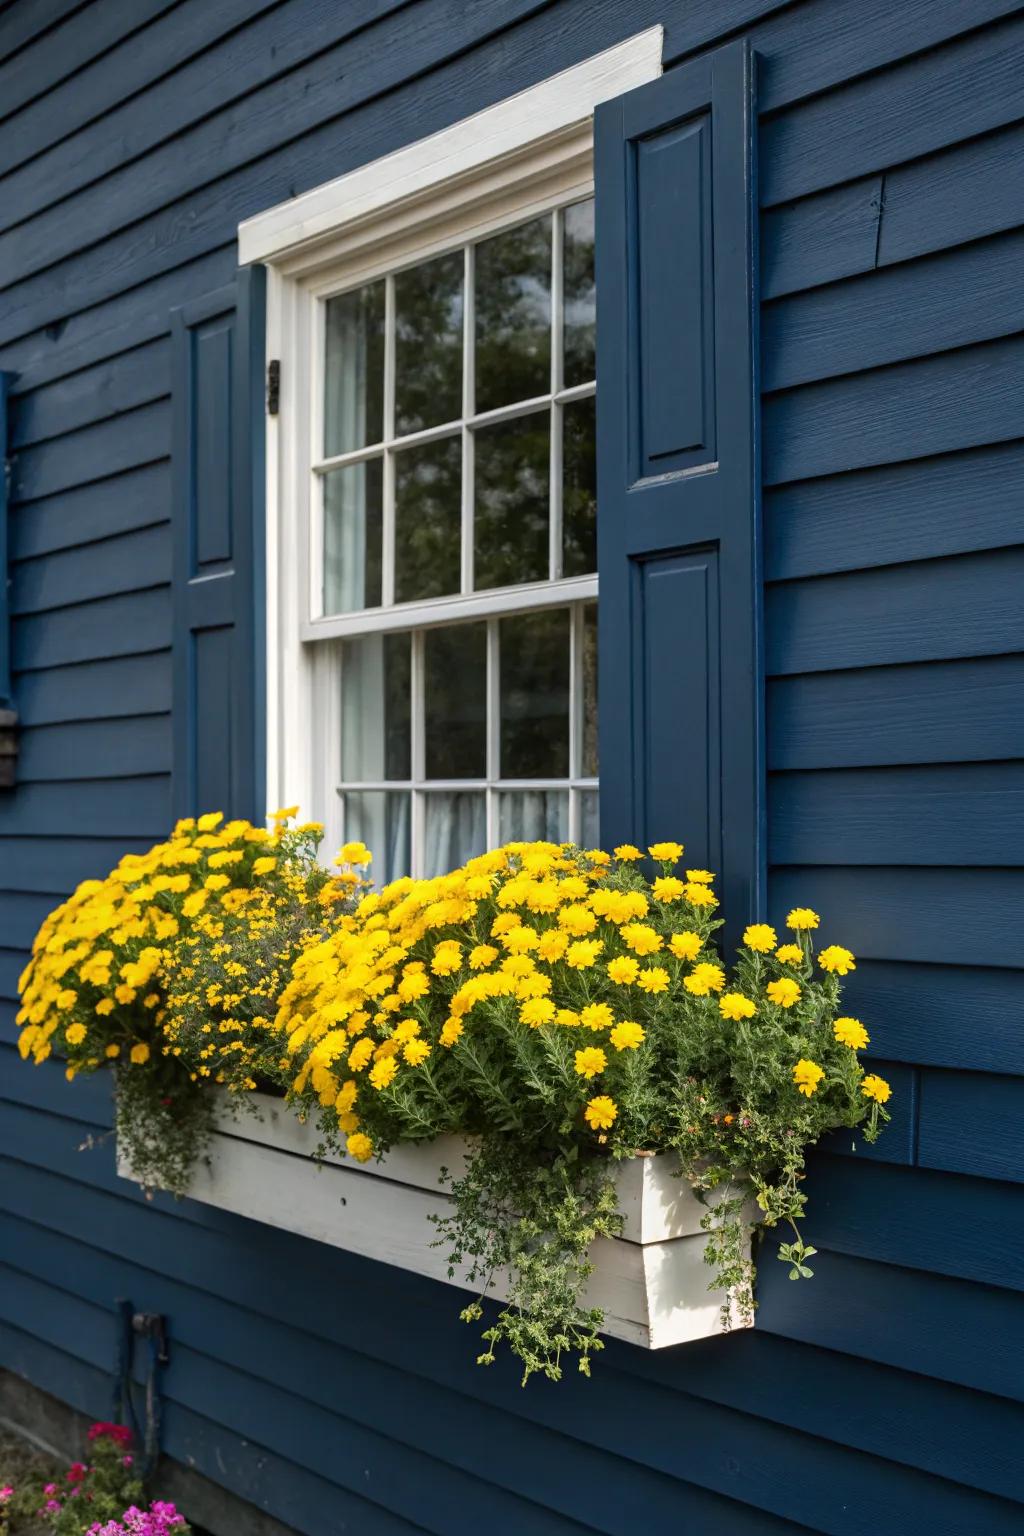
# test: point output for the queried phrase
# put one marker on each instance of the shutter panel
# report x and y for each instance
(8, 719)
(219, 669)
(680, 628)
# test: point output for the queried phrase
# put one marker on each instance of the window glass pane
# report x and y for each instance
(579, 488)
(353, 502)
(428, 344)
(512, 478)
(534, 815)
(513, 315)
(579, 294)
(428, 520)
(590, 820)
(455, 703)
(354, 370)
(380, 818)
(588, 684)
(534, 663)
(456, 830)
(375, 678)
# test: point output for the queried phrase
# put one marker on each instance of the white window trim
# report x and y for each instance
(524, 156)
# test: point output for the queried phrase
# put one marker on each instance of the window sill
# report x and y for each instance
(651, 1283)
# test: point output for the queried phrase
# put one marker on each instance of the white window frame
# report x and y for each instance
(523, 157)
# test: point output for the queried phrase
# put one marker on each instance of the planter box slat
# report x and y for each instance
(652, 1283)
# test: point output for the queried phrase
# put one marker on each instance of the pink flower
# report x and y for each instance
(126, 1461)
(6, 1493)
(117, 1432)
(50, 1488)
(77, 1471)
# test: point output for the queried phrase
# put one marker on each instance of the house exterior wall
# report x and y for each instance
(339, 1395)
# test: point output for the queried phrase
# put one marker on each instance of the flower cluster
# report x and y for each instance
(169, 970)
(94, 1498)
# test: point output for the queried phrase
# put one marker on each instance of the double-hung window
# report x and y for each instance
(432, 484)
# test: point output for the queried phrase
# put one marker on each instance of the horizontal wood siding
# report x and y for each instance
(886, 1394)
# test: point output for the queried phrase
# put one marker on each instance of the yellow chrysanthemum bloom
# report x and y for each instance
(837, 959)
(75, 1034)
(360, 1054)
(383, 1072)
(802, 918)
(597, 1016)
(666, 853)
(553, 944)
(590, 1062)
(627, 854)
(700, 877)
(112, 1050)
(668, 888)
(733, 1005)
(704, 978)
(622, 970)
(653, 979)
(139, 1054)
(582, 955)
(627, 1036)
(807, 1075)
(577, 920)
(789, 954)
(536, 1011)
(685, 945)
(360, 1147)
(875, 1087)
(451, 1029)
(355, 853)
(210, 820)
(760, 937)
(641, 939)
(482, 956)
(699, 895)
(567, 1018)
(851, 1032)
(600, 1113)
(415, 1053)
(784, 992)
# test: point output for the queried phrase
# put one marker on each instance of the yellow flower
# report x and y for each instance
(451, 1029)
(360, 1053)
(360, 1147)
(408, 1029)
(581, 955)
(627, 1036)
(685, 945)
(835, 958)
(383, 1072)
(285, 814)
(139, 1054)
(704, 978)
(67, 998)
(641, 939)
(567, 1018)
(263, 866)
(700, 877)
(536, 1011)
(784, 992)
(210, 820)
(553, 944)
(666, 853)
(577, 920)
(851, 1032)
(194, 904)
(412, 986)
(355, 853)
(229, 856)
(591, 1061)
(600, 1113)
(597, 1016)
(346, 1097)
(623, 969)
(415, 1053)
(875, 1087)
(653, 979)
(627, 854)
(105, 1006)
(112, 1050)
(760, 937)
(447, 958)
(733, 1005)
(216, 882)
(75, 1034)
(699, 895)
(667, 888)
(807, 1075)
(519, 940)
(802, 917)
(789, 954)
(482, 956)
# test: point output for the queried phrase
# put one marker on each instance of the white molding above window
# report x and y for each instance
(460, 179)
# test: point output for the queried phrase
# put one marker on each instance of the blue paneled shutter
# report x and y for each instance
(219, 680)
(8, 719)
(680, 668)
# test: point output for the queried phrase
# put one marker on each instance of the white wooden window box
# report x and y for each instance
(651, 1283)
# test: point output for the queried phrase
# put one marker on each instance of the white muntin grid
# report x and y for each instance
(489, 605)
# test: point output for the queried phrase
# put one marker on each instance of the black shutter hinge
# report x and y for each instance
(273, 386)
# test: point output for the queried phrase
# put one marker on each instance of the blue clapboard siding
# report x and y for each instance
(883, 1396)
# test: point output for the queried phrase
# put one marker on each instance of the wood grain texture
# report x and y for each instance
(125, 625)
(119, 384)
(107, 689)
(89, 749)
(139, 498)
(974, 1123)
(127, 562)
(956, 1015)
